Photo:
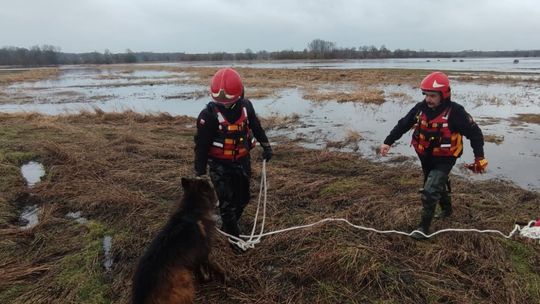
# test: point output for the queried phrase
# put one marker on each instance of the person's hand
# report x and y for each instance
(479, 166)
(383, 149)
(267, 153)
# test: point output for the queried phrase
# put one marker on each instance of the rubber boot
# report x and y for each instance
(427, 216)
(434, 187)
(233, 229)
(425, 222)
(230, 223)
(446, 206)
(445, 202)
(419, 236)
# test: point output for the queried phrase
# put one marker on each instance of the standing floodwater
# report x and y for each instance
(107, 245)
(32, 173)
(29, 217)
(77, 217)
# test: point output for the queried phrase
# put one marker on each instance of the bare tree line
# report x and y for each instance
(316, 49)
(35, 56)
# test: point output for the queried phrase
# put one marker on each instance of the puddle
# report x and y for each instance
(32, 173)
(107, 245)
(29, 217)
(77, 217)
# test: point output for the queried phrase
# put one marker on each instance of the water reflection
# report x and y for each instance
(77, 217)
(29, 217)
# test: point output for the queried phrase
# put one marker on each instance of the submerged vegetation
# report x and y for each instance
(497, 139)
(529, 118)
(122, 171)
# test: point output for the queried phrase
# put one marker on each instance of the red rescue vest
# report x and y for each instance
(435, 136)
(232, 140)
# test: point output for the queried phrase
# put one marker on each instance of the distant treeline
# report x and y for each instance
(316, 49)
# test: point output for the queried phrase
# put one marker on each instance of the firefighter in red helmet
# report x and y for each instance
(226, 132)
(438, 126)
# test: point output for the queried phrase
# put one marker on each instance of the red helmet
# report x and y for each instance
(437, 82)
(226, 87)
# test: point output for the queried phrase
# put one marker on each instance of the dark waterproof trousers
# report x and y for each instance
(231, 181)
(436, 189)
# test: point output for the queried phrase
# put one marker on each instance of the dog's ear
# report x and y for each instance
(186, 183)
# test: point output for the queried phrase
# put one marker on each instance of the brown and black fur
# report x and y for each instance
(180, 250)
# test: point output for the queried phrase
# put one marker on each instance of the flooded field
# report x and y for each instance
(318, 112)
(525, 65)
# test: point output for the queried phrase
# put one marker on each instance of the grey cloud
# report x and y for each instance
(229, 25)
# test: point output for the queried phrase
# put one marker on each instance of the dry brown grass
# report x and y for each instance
(123, 170)
(10, 77)
(528, 118)
(281, 121)
(363, 95)
(486, 121)
(350, 140)
(496, 139)
(400, 96)
(486, 77)
(190, 95)
(282, 78)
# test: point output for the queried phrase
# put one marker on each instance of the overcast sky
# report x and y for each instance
(200, 26)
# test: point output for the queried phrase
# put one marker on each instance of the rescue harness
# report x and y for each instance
(435, 137)
(233, 140)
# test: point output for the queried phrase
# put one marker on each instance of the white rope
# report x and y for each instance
(530, 231)
(253, 238)
(262, 188)
(245, 242)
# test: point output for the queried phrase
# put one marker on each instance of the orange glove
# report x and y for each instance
(479, 166)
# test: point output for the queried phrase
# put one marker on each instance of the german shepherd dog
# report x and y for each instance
(179, 252)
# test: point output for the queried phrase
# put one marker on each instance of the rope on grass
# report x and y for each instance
(246, 242)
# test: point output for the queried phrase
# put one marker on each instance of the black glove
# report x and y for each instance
(267, 153)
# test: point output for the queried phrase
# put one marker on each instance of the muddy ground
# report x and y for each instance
(122, 172)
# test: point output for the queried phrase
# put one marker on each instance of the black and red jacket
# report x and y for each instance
(437, 132)
(226, 134)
